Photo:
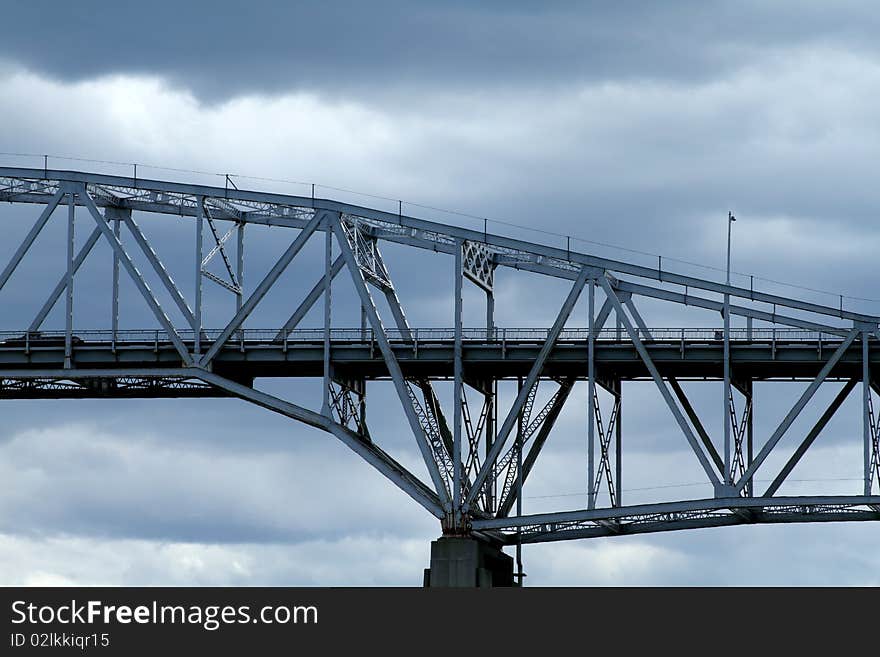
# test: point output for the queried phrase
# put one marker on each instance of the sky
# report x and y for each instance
(633, 124)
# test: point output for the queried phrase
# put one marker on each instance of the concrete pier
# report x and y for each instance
(468, 562)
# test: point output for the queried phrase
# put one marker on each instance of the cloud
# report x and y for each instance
(77, 480)
(406, 48)
(634, 128)
(360, 560)
(647, 164)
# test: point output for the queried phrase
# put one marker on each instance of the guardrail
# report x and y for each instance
(418, 335)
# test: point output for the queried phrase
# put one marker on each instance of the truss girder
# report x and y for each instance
(669, 515)
(477, 469)
(37, 185)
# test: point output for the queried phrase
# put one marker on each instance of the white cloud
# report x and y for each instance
(789, 144)
(360, 560)
(77, 479)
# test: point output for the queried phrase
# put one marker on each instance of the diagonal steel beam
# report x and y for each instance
(310, 299)
(658, 380)
(218, 241)
(394, 370)
(161, 272)
(679, 393)
(265, 285)
(602, 316)
(62, 283)
(630, 304)
(695, 420)
(31, 236)
(132, 270)
(543, 433)
(368, 451)
(795, 410)
(811, 437)
(534, 373)
(396, 308)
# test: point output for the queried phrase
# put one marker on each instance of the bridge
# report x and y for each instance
(477, 453)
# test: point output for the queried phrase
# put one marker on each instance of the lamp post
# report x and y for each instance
(730, 220)
(728, 476)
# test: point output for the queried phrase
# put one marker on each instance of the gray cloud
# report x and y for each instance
(639, 127)
(234, 47)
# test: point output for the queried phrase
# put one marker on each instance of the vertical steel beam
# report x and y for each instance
(239, 268)
(726, 391)
(31, 236)
(114, 304)
(748, 392)
(197, 313)
(867, 429)
(68, 311)
(490, 399)
(459, 389)
(328, 280)
(618, 441)
(490, 314)
(591, 406)
(519, 495)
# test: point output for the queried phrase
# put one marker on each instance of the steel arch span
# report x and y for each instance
(477, 453)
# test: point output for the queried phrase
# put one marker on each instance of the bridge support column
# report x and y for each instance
(465, 562)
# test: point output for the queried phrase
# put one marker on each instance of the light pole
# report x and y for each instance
(730, 220)
(728, 477)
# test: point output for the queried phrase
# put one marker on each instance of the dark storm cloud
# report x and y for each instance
(637, 126)
(226, 48)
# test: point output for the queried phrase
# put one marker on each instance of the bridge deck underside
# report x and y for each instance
(484, 361)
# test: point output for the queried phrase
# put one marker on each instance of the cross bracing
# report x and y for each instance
(478, 453)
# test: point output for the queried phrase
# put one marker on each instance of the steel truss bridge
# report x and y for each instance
(478, 457)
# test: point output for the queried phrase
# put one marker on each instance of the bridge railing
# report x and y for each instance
(419, 335)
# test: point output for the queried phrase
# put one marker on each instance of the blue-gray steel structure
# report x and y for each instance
(477, 462)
